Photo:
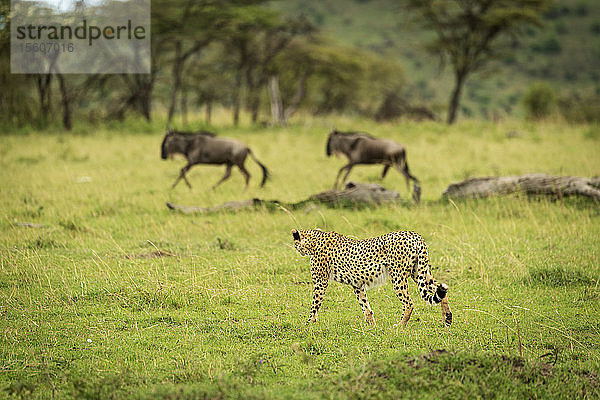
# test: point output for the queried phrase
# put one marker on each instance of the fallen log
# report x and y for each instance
(532, 184)
(230, 205)
(354, 194)
(29, 225)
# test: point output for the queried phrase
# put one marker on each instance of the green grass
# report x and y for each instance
(111, 295)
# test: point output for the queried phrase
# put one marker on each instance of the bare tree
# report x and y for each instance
(188, 26)
(258, 36)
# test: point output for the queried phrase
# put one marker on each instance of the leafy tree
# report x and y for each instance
(257, 35)
(288, 79)
(15, 103)
(187, 27)
(470, 33)
(337, 74)
(16, 95)
(329, 78)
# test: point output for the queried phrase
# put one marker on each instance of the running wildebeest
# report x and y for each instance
(206, 148)
(362, 148)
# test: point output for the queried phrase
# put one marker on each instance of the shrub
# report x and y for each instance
(578, 109)
(393, 106)
(550, 45)
(593, 132)
(581, 10)
(561, 28)
(539, 101)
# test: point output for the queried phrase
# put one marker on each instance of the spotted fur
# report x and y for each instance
(368, 263)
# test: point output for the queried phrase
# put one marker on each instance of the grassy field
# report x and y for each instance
(111, 295)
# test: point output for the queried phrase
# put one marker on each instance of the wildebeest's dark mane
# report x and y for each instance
(351, 133)
(201, 132)
(187, 136)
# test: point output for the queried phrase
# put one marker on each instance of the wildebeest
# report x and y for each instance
(206, 148)
(362, 148)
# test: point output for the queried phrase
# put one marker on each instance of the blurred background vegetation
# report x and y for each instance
(270, 60)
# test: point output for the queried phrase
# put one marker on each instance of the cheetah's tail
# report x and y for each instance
(440, 293)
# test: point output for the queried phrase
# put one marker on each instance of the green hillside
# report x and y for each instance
(565, 52)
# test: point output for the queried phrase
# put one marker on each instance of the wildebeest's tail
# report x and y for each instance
(264, 169)
(328, 149)
(163, 148)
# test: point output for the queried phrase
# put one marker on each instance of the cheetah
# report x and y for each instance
(368, 263)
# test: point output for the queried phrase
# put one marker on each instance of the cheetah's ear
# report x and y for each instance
(318, 230)
(295, 234)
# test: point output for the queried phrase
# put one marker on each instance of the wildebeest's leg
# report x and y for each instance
(349, 165)
(364, 304)
(185, 179)
(385, 170)
(245, 172)
(182, 175)
(347, 173)
(225, 177)
(348, 168)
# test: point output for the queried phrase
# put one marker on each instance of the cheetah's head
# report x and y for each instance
(304, 241)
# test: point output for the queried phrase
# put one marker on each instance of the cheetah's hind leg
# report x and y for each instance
(400, 282)
(364, 304)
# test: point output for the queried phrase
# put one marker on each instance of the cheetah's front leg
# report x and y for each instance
(318, 294)
(364, 304)
(320, 279)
